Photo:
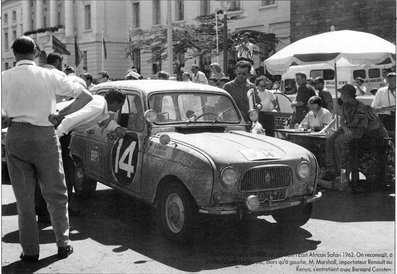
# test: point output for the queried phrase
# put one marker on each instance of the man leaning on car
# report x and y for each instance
(94, 113)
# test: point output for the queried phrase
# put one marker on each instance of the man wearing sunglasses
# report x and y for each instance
(239, 87)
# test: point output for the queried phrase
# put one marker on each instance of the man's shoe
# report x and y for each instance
(73, 212)
(65, 251)
(29, 258)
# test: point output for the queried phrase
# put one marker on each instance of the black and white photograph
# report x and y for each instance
(198, 136)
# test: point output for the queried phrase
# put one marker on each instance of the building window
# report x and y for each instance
(235, 5)
(205, 7)
(7, 66)
(5, 16)
(85, 61)
(179, 10)
(268, 2)
(14, 35)
(59, 19)
(135, 15)
(137, 59)
(156, 12)
(6, 40)
(87, 17)
(14, 16)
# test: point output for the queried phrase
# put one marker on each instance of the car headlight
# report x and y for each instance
(228, 176)
(303, 170)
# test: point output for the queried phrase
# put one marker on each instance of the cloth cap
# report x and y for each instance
(348, 89)
(359, 79)
(391, 74)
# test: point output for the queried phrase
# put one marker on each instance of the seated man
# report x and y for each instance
(358, 124)
(318, 117)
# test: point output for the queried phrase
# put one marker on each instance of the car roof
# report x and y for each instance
(149, 86)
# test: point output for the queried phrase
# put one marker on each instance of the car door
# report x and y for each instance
(126, 153)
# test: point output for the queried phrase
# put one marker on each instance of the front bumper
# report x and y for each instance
(266, 207)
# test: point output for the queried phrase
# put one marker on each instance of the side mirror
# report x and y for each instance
(150, 115)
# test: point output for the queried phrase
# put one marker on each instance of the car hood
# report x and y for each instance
(239, 146)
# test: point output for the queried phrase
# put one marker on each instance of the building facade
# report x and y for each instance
(312, 17)
(104, 26)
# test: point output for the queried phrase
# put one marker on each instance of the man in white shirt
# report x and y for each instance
(95, 113)
(33, 153)
(360, 88)
(54, 62)
(245, 49)
(317, 117)
(384, 103)
(198, 76)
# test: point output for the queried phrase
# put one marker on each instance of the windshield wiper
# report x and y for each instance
(219, 115)
(194, 114)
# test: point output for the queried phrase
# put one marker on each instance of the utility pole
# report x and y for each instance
(224, 42)
(170, 54)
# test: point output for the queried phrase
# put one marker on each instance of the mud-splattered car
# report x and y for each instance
(186, 152)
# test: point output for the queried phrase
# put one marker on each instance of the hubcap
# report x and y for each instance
(174, 213)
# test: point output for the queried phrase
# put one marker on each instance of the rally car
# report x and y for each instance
(187, 152)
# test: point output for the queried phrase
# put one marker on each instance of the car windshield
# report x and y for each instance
(197, 107)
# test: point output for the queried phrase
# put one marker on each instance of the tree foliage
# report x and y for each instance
(191, 40)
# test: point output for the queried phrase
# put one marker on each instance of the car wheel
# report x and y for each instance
(83, 185)
(177, 213)
(294, 217)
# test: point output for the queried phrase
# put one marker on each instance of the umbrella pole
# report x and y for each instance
(336, 94)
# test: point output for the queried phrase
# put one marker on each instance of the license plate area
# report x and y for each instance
(269, 195)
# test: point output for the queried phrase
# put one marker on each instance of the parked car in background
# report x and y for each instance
(187, 152)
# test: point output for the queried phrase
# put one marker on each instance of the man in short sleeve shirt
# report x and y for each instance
(32, 147)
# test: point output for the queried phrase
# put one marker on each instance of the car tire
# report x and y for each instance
(293, 217)
(84, 186)
(177, 212)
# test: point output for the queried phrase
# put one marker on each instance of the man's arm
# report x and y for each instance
(84, 98)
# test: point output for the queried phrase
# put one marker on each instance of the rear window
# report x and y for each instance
(326, 74)
(359, 73)
(374, 73)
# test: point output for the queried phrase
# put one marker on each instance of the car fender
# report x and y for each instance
(180, 162)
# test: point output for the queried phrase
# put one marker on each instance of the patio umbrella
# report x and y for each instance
(354, 46)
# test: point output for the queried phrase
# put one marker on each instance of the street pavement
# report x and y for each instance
(118, 234)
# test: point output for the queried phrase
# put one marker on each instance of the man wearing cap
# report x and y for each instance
(198, 76)
(385, 102)
(357, 122)
(360, 88)
(324, 94)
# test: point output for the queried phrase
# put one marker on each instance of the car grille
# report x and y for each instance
(266, 178)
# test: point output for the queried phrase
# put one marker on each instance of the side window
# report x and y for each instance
(359, 73)
(326, 74)
(131, 115)
(374, 73)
